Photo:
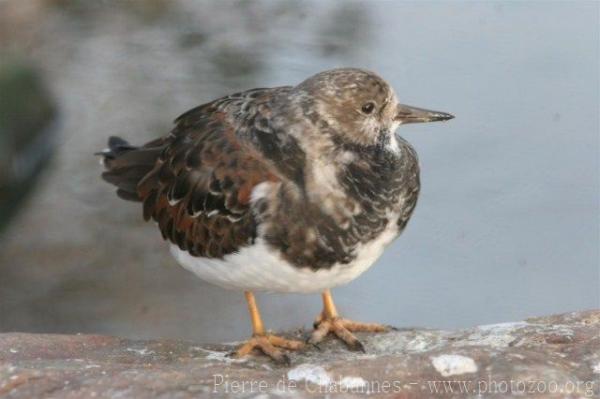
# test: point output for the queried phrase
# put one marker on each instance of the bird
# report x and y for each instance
(289, 189)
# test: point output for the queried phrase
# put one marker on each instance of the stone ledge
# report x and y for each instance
(553, 356)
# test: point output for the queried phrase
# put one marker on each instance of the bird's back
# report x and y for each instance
(197, 181)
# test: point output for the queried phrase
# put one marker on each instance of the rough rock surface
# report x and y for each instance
(553, 356)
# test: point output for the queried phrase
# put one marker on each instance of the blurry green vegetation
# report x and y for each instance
(25, 106)
(146, 10)
(26, 114)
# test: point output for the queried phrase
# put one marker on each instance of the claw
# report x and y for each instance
(285, 360)
(357, 346)
(313, 344)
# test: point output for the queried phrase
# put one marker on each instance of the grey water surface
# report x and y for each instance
(507, 225)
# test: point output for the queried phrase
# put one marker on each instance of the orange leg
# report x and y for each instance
(265, 342)
(329, 322)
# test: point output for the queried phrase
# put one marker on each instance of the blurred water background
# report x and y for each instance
(508, 221)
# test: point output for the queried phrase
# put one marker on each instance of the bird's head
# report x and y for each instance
(359, 105)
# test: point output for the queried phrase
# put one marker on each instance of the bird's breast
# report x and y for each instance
(346, 214)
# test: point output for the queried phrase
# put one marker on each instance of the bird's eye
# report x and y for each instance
(368, 107)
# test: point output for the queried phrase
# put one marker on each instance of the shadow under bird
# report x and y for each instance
(284, 189)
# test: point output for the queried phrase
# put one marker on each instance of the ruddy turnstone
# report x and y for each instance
(285, 189)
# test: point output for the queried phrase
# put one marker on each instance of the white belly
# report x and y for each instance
(254, 268)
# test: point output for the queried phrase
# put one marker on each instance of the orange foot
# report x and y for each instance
(329, 322)
(266, 343)
(269, 344)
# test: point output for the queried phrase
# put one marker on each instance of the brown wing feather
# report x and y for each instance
(199, 189)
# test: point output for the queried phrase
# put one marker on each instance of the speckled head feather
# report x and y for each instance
(355, 103)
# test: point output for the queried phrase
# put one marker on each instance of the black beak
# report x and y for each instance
(408, 114)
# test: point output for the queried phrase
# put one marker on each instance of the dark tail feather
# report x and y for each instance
(126, 165)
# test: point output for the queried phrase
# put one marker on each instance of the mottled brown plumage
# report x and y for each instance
(197, 182)
(289, 189)
(199, 190)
